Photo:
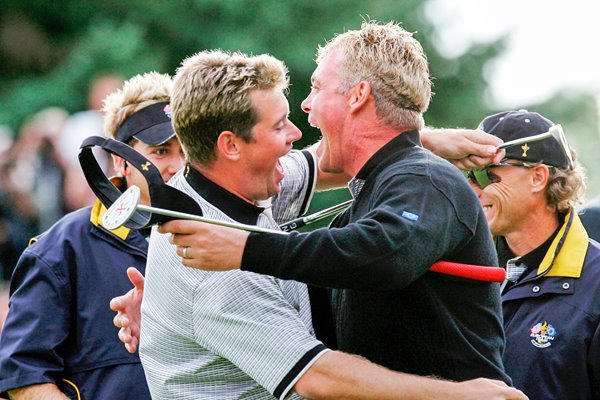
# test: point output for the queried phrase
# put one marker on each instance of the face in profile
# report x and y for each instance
(326, 108)
(272, 138)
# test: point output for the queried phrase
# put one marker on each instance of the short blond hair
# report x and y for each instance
(138, 92)
(394, 64)
(211, 95)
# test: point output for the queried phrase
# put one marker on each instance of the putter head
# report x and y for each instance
(123, 209)
(161, 195)
(559, 135)
(555, 132)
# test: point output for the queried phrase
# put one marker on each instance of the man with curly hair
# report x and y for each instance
(550, 298)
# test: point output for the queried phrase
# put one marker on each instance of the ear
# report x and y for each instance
(359, 95)
(119, 165)
(228, 145)
(540, 177)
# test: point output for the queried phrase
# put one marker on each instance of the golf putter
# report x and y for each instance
(124, 207)
(167, 202)
(161, 195)
(129, 203)
(119, 213)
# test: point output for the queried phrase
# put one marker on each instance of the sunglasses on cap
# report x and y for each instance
(484, 177)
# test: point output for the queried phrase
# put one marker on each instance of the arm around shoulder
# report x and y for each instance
(337, 375)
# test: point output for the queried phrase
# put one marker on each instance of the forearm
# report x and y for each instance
(43, 391)
(428, 136)
(449, 143)
(465, 148)
(342, 376)
(337, 375)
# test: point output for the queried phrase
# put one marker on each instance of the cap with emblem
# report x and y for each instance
(510, 125)
(151, 125)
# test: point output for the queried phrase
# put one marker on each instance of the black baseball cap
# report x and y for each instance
(510, 125)
(151, 125)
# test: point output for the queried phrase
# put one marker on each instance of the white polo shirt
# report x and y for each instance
(227, 335)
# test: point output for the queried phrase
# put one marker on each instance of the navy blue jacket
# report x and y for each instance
(590, 217)
(414, 209)
(59, 326)
(552, 322)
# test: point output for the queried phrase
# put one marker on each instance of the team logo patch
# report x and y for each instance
(411, 216)
(542, 334)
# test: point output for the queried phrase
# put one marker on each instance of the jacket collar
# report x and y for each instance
(233, 206)
(569, 261)
(389, 152)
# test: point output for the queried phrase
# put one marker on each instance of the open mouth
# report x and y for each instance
(280, 170)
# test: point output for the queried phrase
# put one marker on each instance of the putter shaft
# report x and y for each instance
(528, 139)
(302, 221)
(180, 215)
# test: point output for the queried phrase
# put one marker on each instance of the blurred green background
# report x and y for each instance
(51, 50)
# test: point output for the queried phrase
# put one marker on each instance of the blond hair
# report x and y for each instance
(138, 92)
(211, 95)
(566, 187)
(394, 64)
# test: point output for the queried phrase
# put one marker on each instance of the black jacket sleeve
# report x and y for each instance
(393, 238)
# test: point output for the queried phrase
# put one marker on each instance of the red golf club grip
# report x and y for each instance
(475, 272)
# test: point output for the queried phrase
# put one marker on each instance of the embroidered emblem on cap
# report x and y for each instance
(525, 148)
(145, 165)
(543, 334)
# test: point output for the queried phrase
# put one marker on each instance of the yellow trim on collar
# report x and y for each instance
(96, 219)
(74, 387)
(569, 261)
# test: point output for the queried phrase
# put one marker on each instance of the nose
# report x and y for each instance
(294, 133)
(306, 104)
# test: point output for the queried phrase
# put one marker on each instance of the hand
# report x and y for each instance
(128, 309)
(489, 389)
(206, 246)
(467, 149)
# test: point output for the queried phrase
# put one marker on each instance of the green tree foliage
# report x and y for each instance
(52, 49)
(78, 40)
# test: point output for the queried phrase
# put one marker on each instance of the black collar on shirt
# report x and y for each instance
(403, 141)
(233, 206)
(534, 258)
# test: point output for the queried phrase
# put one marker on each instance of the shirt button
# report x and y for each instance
(536, 289)
(566, 285)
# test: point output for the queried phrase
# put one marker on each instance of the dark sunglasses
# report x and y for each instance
(484, 177)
